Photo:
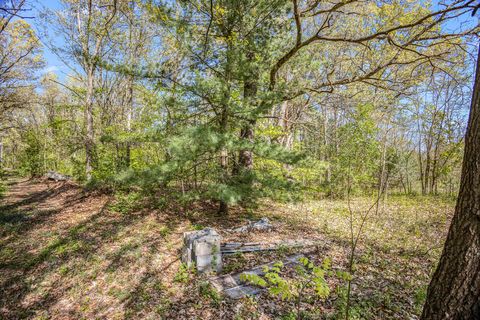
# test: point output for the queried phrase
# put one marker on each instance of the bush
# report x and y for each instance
(309, 282)
(31, 161)
(126, 202)
(3, 189)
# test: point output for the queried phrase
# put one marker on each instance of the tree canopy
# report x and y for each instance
(230, 103)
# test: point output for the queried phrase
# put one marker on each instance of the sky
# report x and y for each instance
(54, 64)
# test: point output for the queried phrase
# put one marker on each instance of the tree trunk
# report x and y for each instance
(454, 292)
(89, 124)
(223, 127)
(1, 155)
(130, 81)
(245, 157)
(381, 176)
(325, 157)
(223, 205)
(129, 120)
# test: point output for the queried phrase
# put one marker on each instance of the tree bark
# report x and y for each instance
(129, 120)
(245, 157)
(131, 79)
(89, 124)
(223, 205)
(1, 155)
(223, 127)
(454, 292)
(325, 152)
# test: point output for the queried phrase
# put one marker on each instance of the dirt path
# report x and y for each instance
(64, 254)
(36, 219)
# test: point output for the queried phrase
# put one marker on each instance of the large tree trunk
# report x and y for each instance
(454, 292)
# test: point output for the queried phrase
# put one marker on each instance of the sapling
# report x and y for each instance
(354, 238)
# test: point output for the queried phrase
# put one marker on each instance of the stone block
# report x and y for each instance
(202, 249)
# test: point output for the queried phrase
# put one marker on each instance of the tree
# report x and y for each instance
(440, 126)
(245, 60)
(454, 292)
(20, 57)
(10, 10)
(84, 25)
(218, 98)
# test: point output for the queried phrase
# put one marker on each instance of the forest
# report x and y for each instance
(327, 151)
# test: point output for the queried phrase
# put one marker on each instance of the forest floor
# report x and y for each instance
(70, 254)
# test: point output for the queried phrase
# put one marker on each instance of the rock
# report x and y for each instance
(236, 247)
(241, 291)
(202, 249)
(52, 175)
(232, 287)
(261, 225)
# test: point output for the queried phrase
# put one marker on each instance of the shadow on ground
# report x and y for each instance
(65, 255)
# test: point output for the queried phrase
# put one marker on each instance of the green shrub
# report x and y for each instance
(3, 189)
(184, 273)
(309, 282)
(126, 202)
(420, 297)
(31, 157)
(207, 291)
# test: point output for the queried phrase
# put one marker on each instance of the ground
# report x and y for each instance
(70, 254)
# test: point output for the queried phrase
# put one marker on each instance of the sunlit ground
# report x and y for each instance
(68, 255)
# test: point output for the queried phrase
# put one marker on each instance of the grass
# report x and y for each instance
(126, 202)
(64, 253)
(3, 189)
(398, 249)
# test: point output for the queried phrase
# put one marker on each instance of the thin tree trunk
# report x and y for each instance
(454, 292)
(326, 158)
(223, 124)
(381, 177)
(130, 82)
(245, 157)
(1, 155)
(420, 158)
(426, 173)
(407, 180)
(89, 124)
(129, 120)
(436, 157)
(223, 205)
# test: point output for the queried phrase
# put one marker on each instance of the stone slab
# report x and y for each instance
(202, 249)
(232, 287)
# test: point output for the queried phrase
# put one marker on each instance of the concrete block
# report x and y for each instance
(202, 248)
